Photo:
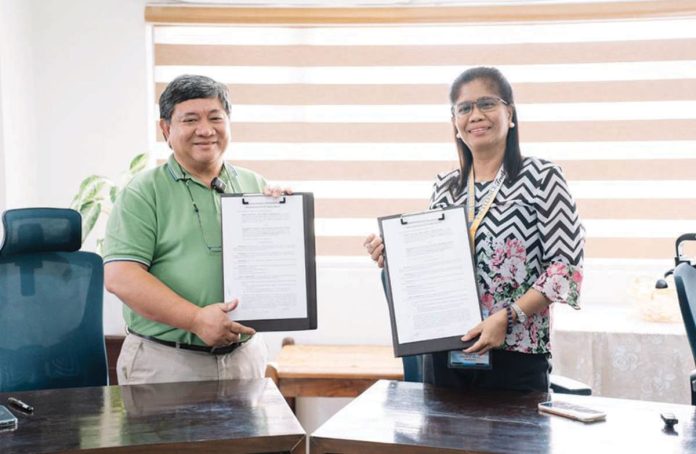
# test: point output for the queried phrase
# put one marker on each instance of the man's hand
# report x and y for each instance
(214, 327)
(375, 247)
(491, 333)
(276, 191)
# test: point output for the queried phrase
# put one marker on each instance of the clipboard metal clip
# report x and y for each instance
(424, 219)
(262, 200)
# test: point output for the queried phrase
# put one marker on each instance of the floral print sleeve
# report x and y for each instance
(562, 241)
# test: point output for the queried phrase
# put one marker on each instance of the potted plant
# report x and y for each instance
(97, 195)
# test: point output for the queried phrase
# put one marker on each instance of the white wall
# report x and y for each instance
(92, 90)
(18, 125)
(74, 90)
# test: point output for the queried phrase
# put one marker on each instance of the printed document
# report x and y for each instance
(431, 275)
(263, 242)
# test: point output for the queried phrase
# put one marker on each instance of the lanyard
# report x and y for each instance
(485, 205)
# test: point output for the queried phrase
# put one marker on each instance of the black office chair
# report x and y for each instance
(51, 327)
(685, 283)
(413, 369)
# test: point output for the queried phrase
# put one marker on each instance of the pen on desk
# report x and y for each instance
(18, 404)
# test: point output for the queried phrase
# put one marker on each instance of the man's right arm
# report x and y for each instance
(152, 299)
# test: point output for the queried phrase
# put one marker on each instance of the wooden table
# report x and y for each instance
(400, 417)
(233, 415)
(333, 370)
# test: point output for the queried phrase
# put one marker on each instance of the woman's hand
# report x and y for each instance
(276, 191)
(491, 333)
(374, 246)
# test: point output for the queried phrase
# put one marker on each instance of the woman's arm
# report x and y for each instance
(563, 241)
(492, 330)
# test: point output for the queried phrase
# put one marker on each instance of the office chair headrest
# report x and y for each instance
(29, 230)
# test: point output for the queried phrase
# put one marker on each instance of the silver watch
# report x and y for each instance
(521, 316)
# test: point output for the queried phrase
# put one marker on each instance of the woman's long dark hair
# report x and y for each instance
(513, 156)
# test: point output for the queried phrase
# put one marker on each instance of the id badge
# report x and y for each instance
(457, 359)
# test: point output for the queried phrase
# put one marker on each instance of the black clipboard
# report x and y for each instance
(310, 274)
(435, 344)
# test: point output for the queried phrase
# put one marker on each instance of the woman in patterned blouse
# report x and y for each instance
(529, 241)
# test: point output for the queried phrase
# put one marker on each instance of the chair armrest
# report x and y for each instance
(692, 383)
(565, 385)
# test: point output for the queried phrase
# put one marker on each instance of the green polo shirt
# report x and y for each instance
(154, 222)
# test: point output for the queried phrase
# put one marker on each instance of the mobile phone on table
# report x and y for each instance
(572, 411)
(8, 421)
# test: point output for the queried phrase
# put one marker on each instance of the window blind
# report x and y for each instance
(358, 113)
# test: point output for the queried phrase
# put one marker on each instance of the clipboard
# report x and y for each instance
(404, 317)
(269, 260)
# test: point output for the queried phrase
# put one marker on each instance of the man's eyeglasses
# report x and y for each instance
(200, 221)
(484, 104)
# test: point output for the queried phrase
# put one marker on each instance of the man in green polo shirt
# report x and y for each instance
(162, 251)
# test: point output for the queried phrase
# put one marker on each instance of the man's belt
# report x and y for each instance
(196, 348)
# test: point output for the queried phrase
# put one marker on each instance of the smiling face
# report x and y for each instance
(482, 132)
(198, 133)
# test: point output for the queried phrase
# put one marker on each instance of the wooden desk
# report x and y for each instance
(234, 415)
(400, 417)
(333, 370)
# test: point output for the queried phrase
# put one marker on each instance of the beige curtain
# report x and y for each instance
(351, 104)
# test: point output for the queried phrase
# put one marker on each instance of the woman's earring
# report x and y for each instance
(512, 125)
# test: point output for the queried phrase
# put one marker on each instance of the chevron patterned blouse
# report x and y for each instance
(530, 237)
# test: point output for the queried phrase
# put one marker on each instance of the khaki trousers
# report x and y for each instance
(143, 361)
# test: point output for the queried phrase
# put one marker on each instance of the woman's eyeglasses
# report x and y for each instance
(484, 104)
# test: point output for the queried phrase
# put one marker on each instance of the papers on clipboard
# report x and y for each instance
(268, 260)
(431, 280)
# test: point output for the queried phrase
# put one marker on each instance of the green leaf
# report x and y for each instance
(91, 190)
(90, 212)
(94, 192)
(88, 181)
(100, 246)
(78, 199)
(113, 193)
(92, 201)
(138, 163)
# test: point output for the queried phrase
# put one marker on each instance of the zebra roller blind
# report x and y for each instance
(357, 112)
